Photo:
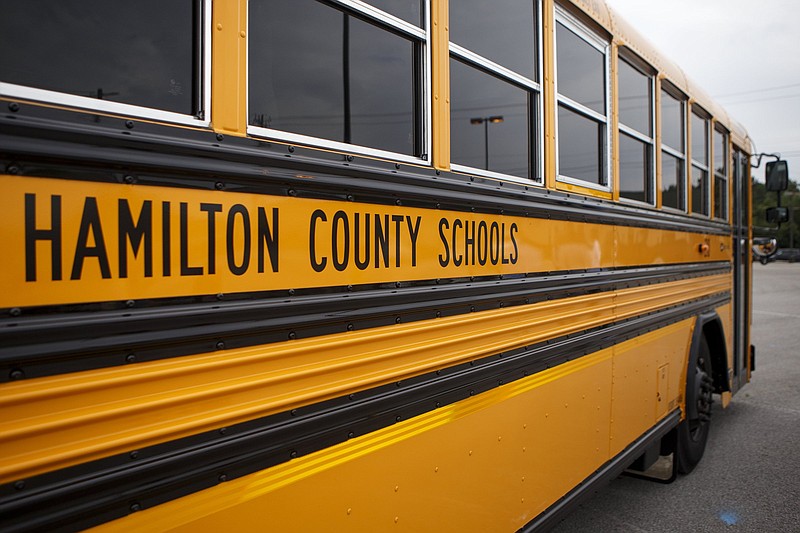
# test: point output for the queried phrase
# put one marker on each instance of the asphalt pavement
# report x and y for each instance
(749, 478)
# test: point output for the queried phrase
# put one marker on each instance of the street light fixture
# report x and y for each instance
(495, 119)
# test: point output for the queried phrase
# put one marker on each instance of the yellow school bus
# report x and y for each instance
(355, 265)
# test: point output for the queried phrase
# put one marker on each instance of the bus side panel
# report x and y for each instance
(489, 463)
(649, 376)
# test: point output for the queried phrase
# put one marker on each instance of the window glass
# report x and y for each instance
(348, 80)
(720, 153)
(721, 163)
(635, 169)
(672, 181)
(581, 70)
(139, 53)
(700, 191)
(720, 198)
(635, 97)
(489, 122)
(699, 139)
(408, 10)
(672, 118)
(501, 31)
(581, 147)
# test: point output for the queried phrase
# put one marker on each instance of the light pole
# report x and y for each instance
(496, 119)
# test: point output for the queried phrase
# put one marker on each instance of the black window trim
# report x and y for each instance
(389, 22)
(201, 119)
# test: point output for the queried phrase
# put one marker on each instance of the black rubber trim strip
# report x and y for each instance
(605, 474)
(119, 150)
(93, 493)
(88, 337)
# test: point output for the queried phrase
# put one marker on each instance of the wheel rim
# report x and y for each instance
(703, 389)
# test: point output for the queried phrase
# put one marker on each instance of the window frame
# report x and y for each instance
(535, 94)
(700, 113)
(423, 35)
(650, 73)
(678, 95)
(87, 103)
(604, 47)
(718, 129)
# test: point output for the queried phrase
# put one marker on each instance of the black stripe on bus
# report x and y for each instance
(84, 337)
(93, 493)
(53, 143)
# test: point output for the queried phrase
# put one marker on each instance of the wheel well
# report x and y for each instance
(715, 337)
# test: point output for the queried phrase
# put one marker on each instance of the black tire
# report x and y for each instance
(693, 431)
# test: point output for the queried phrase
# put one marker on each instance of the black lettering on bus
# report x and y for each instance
(318, 266)
(503, 243)
(469, 242)
(135, 233)
(483, 242)
(166, 239)
(340, 220)
(494, 243)
(458, 259)
(186, 270)
(397, 219)
(212, 210)
(268, 235)
(413, 233)
(381, 240)
(444, 260)
(90, 223)
(515, 255)
(240, 269)
(34, 234)
(362, 264)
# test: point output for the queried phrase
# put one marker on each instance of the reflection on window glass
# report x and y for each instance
(700, 191)
(634, 99)
(720, 153)
(721, 163)
(502, 31)
(408, 10)
(720, 198)
(672, 180)
(489, 122)
(347, 80)
(580, 147)
(138, 53)
(672, 121)
(634, 169)
(699, 139)
(581, 70)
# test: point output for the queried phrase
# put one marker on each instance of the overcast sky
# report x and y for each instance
(745, 54)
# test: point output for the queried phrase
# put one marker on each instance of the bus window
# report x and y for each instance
(322, 76)
(494, 91)
(721, 159)
(673, 151)
(701, 183)
(134, 58)
(583, 111)
(636, 156)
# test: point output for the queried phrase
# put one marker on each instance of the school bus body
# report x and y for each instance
(207, 329)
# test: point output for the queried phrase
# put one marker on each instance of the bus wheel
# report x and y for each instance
(693, 431)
